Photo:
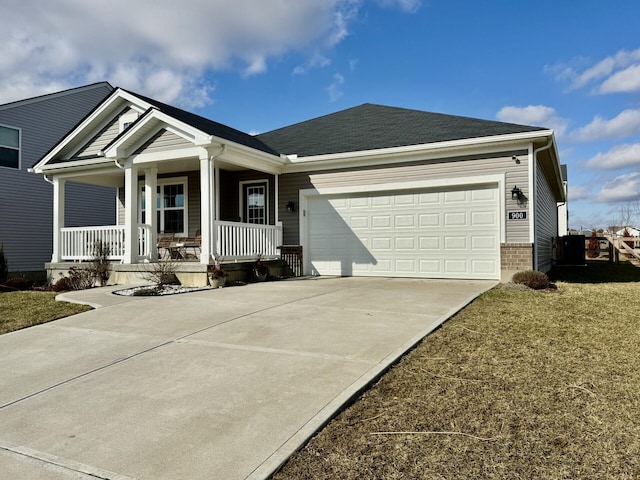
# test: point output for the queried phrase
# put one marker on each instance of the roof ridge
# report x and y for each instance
(46, 96)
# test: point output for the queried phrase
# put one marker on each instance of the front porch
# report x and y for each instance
(232, 241)
(238, 244)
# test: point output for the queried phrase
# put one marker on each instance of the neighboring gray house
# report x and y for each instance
(28, 130)
(370, 191)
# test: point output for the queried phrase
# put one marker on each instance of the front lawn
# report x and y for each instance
(24, 309)
(519, 385)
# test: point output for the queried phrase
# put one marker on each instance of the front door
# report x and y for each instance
(255, 203)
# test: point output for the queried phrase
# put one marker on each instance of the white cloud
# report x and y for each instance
(620, 156)
(578, 192)
(619, 73)
(410, 6)
(627, 80)
(335, 89)
(622, 188)
(161, 48)
(537, 115)
(625, 124)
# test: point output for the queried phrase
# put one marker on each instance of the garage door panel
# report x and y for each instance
(441, 234)
(359, 222)
(455, 219)
(481, 218)
(429, 220)
(430, 243)
(483, 242)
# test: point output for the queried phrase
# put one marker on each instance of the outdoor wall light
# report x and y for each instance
(291, 207)
(516, 193)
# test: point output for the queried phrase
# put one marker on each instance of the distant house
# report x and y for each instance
(28, 130)
(368, 191)
(631, 231)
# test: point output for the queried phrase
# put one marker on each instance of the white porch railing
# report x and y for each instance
(247, 240)
(234, 241)
(78, 243)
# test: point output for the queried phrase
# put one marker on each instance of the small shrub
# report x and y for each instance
(19, 283)
(160, 273)
(532, 279)
(78, 279)
(4, 265)
(100, 265)
(146, 292)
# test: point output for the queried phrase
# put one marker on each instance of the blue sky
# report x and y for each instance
(259, 65)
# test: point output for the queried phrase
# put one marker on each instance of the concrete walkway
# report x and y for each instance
(222, 383)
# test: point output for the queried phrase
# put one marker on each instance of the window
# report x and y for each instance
(9, 147)
(171, 204)
(254, 201)
(125, 120)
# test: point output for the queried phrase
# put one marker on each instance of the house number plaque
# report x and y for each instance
(517, 215)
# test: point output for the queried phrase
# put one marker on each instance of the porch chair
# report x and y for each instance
(193, 243)
(166, 246)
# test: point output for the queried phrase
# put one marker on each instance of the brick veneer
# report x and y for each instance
(516, 256)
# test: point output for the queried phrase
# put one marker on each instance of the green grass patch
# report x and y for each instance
(518, 385)
(25, 309)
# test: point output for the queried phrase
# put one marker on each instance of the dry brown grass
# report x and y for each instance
(519, 385)
(25, 309)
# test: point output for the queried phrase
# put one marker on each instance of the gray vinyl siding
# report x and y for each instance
(26, 200)
(546, 223)
(103, 138)
(89, 205)
(163, 141)
(503, 164)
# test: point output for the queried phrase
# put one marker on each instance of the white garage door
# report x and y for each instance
(452, 233)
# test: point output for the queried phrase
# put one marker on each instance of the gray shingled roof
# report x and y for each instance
(209, 126)
(370, 127)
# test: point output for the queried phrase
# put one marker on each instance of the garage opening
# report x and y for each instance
(425, 233)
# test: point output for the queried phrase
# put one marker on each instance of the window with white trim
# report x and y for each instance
(9, 147)
(171, 204)
(125, 120)
(255, 202)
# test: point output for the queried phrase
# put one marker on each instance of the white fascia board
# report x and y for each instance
(480, 145)
(248, 157)
(83, 166)
(116, 97)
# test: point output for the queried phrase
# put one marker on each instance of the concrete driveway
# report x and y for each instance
(216, 384)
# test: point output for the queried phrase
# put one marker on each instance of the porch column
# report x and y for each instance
(151, 208)
(207, 200)
(58, 218)
(131, 214)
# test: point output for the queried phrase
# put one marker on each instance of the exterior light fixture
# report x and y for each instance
(516, 193)
(291, 207)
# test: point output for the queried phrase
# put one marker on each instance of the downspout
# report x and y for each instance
(535, 199)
